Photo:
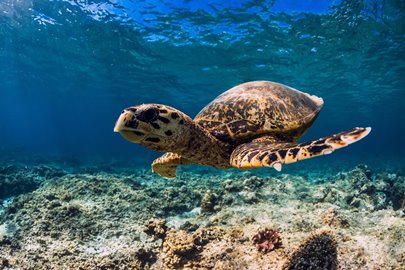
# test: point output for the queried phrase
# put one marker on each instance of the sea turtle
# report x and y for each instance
(252, 125)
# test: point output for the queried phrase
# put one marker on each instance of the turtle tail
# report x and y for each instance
(263, 154)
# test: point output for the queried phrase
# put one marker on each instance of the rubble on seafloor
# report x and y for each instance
(51, 218)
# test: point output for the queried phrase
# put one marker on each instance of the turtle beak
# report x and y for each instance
(121, 122)
(127, 126)
(127, 121)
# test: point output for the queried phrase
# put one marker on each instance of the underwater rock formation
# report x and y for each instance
(178, 249)
(20, 179)
(182, 250)
(135, 220)
(209, 201)
(156, 227)
(360, 188)
(393, 185)
(332, 217)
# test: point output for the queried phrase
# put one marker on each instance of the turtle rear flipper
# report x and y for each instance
(265, 154)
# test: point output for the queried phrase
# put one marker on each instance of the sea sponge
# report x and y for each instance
(266, 240)
(318, 251)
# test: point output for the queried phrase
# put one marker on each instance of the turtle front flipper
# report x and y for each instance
(166, 165)
(264, 154)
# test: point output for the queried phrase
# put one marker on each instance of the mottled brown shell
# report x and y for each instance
(257, 109)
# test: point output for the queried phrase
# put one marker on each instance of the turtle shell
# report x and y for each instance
(257, 109)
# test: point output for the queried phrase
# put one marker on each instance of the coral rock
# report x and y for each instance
(156, 227)
(208, 202)
(332, 217)
(178, 248)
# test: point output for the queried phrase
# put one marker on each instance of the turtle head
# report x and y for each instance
(155, 126)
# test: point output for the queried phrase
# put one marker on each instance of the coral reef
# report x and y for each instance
(184, 250)
(156, 227)
(103, 218)
(19, 179)
(393, 185)
(332, 217)
(372, 192)
(208, 202)
(178, 249)
(266, 240)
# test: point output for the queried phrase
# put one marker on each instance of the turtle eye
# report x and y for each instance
(149, 115)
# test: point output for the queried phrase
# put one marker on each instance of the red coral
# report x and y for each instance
(266, 240)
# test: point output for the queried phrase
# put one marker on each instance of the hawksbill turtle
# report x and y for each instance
(252, 125)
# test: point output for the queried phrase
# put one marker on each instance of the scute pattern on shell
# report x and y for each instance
(259, 108)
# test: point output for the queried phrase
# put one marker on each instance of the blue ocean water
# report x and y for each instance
(68, 68)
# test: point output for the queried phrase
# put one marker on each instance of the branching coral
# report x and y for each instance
(266, 240)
